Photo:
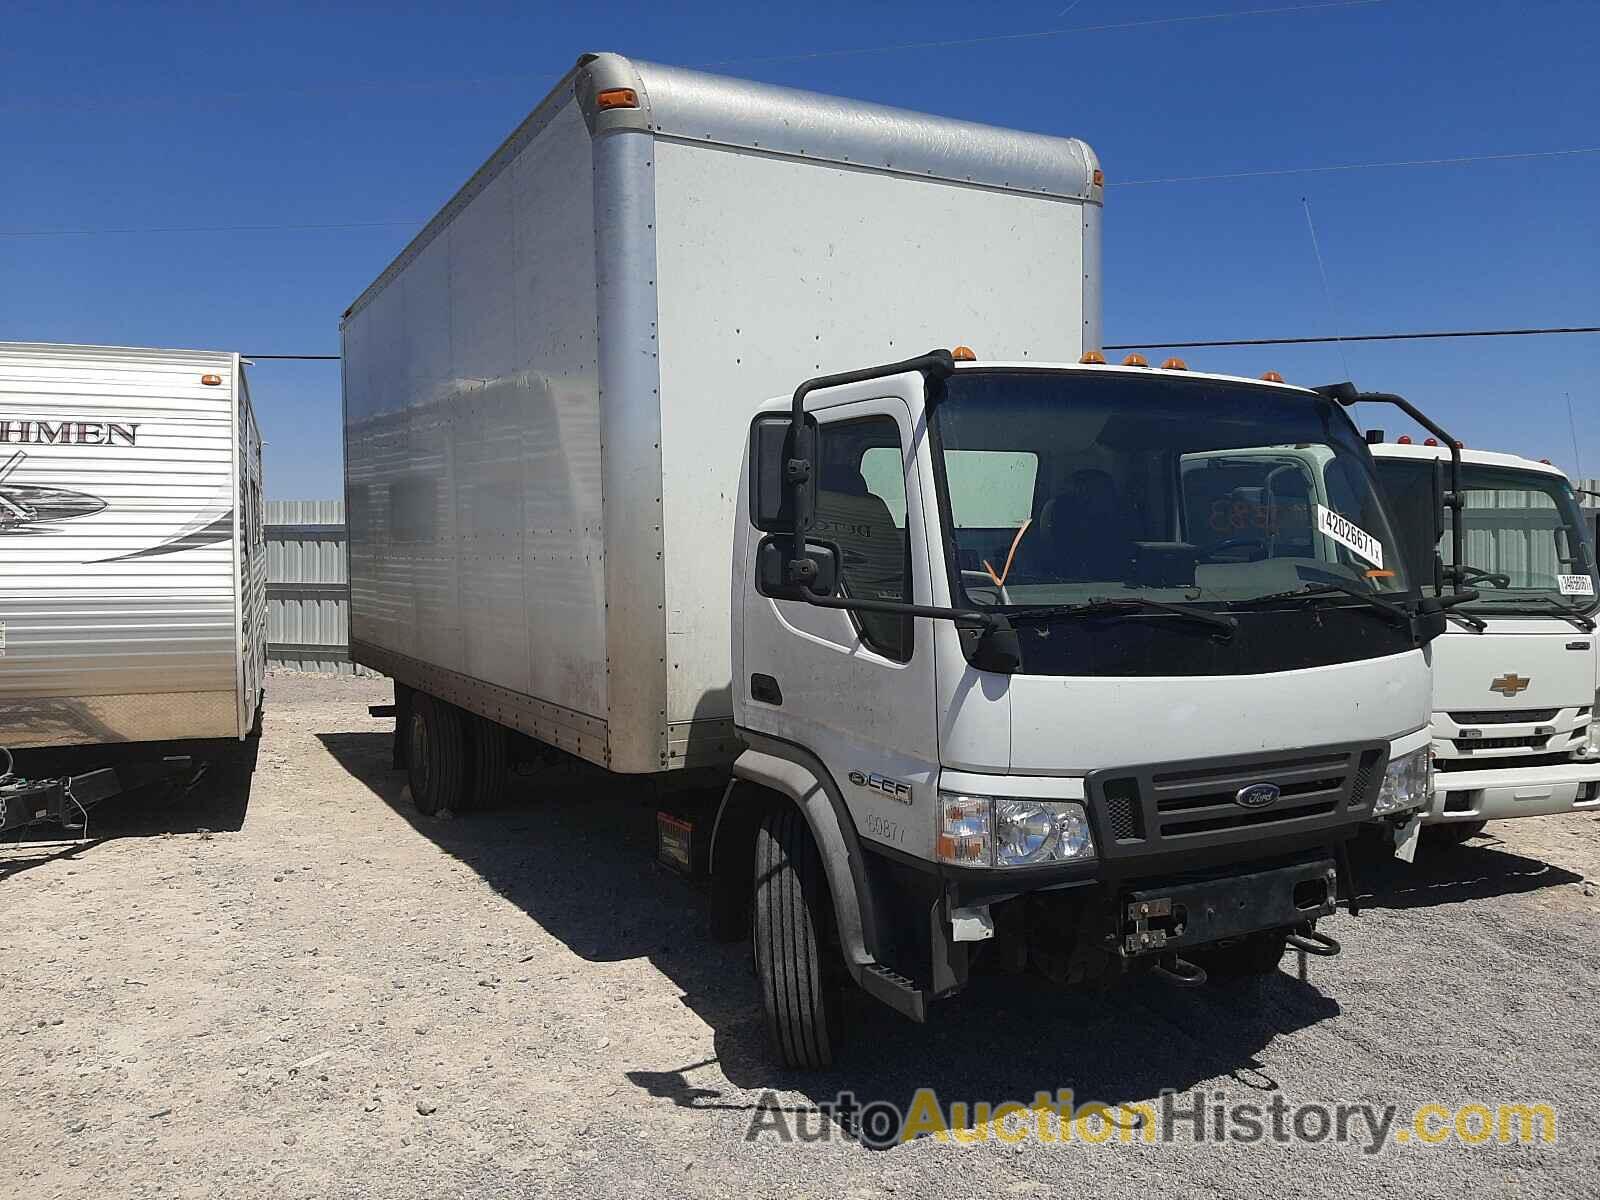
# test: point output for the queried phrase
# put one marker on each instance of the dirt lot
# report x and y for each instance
(299, 988)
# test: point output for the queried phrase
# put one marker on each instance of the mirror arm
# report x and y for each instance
(799, 471)
(1347, 395)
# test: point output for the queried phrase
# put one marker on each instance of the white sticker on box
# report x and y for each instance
(1575, 585)
(1350, 535)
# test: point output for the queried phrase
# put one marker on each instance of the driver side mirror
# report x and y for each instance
(776, 465)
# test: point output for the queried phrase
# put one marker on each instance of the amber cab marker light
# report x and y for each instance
(211, 380)
(617, 98)
(1092, 358)
(1135, 360)
(1099, 177)
(963, 354)
(1272, 377)
(1174, 364)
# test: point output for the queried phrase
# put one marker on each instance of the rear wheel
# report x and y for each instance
(489, 763)
(797, 962)
(436, 760)
(1453, 833)
(1249, 957)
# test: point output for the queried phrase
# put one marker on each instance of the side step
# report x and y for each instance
(895, 990)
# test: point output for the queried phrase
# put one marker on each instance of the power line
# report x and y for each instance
(992, 38)
(89, 101)
(40, 233)
(1359, 337)
(1367, 166)
(419, 221)
(1289, 341)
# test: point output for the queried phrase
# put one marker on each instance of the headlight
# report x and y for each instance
(998, 831)
(1407, 783)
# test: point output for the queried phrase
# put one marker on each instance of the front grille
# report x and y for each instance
(1176, 806)
(1505, 716)
(1486, 763)
(1471, 745)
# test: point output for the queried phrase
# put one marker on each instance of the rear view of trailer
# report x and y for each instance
(547, 393)
(132, 559)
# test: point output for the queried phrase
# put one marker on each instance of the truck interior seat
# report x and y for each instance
(1086, 531)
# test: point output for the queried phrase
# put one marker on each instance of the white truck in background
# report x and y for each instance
(981, 693)
(1516, 678)
(132, 570)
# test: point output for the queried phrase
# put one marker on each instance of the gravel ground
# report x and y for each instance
(296, 987)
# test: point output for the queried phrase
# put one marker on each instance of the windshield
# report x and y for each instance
(1525, 542)
(1066, 486)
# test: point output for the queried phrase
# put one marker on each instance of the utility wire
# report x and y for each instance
(1358, 337)
(1367, 166)
(1291, 341)
(993, 38)
(419, 221)
(84, 101)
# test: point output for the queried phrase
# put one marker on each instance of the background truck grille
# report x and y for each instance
(1174, 806)
(1505, 716)
(1470, 745)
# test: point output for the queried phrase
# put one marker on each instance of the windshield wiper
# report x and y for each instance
(1111, 606)
(1312, 590)
(1565, 611)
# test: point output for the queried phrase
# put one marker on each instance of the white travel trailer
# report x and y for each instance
(977, 689)
(132, 553)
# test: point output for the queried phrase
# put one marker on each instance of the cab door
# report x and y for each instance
(857, 689)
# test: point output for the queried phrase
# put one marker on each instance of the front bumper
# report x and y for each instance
(1500, 793)
(1160, 919)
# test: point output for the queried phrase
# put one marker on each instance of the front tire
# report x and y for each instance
(797, 963)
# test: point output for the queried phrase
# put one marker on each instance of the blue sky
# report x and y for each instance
(115, 116)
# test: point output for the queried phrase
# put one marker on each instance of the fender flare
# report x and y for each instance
(813, 792)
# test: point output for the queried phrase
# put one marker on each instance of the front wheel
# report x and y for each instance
(798, 964)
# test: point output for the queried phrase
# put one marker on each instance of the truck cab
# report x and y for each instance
(1078, 668)
(1515, 676)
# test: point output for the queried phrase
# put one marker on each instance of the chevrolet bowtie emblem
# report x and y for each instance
(1510, 684)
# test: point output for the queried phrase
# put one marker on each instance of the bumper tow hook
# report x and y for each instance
(1179, 972)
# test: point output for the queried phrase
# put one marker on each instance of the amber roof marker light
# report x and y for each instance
(617, 98)
(1174, 364)
(1092, 358)
(1136, 360)
(963, 354)
(1272, 377)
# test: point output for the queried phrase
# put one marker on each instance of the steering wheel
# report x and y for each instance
(1498, 578)
(987, 580)
(1255, 545)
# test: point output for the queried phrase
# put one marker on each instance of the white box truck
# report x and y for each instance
(979, 694)
(132, 567)
(1516, 676)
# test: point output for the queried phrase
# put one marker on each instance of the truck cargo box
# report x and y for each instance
(132, 559)
(547, 393)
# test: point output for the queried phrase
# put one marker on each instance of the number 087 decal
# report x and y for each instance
(1350, 535)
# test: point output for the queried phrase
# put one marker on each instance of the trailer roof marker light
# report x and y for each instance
(617, 98)
(1403, 440)
(1098, 179)
(963, 354)
(1174, 364)
(1092, 358)
(1430, 441)
(1135, 360)
(211, 380)
(1272, 377)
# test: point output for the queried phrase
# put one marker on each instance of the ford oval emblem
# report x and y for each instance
(1257, 795)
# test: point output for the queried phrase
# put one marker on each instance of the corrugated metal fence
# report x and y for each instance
(308, 589)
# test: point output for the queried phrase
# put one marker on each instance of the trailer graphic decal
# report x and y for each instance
(219, 529)
(24, 506)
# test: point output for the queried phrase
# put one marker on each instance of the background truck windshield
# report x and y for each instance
(1065, 486)
(1524, 533)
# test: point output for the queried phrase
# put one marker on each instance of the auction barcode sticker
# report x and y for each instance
(1575, 585)
(1350, 535)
